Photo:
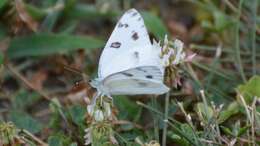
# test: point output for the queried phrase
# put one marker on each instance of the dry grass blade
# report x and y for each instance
(25, 17)
(22, 78)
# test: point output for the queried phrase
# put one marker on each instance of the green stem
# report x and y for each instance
(166, 112)
(155, 119)
(237, 40)
(254, 10)
(173, 123)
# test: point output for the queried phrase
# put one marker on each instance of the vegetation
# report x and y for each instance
(50, 48)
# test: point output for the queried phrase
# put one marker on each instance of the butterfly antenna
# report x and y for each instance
(76, 71)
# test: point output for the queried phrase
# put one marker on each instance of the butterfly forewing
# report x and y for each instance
(119, 53)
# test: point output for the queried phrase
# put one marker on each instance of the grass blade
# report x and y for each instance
(46, 44)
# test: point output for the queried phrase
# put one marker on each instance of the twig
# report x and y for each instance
(253, 120)
(122, 122)
(34, 137)
(25, 81)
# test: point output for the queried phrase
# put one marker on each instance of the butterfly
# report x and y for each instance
(130, 64)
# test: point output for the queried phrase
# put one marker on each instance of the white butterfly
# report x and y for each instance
(130, 64)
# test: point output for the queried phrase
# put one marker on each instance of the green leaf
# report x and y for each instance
(221, 20)
(128, 109)
(250, 89)
(55, 117)
(204, 112)
(55, 141)
(46, 44)
(77, 114)
(179, 140)
(188, 130)
(25, 121)
(59, 139)
(35, 12)
(2, 4)
(154, 25)
(232, 109)
(226, 130)
(88, 12)
(24, 99)
(243, 130)
(74, 144)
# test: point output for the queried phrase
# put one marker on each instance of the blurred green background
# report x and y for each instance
(46, 45)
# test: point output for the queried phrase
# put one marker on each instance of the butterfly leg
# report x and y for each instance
(94, 100)
(111, 98)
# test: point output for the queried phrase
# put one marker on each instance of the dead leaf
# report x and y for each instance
(24, 16)
(38, 78)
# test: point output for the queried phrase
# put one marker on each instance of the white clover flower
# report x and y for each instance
(90, 109)
(98, 115)
(189, 118)
(178, 44)
(166, 41)
(180, 55)
(107, 109)
(172, 53)
(87, 136)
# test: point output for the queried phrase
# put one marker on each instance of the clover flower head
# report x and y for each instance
(172, 52)
(100, 113)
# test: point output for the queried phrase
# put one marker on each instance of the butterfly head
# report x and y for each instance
(98, 84)
(94, 83)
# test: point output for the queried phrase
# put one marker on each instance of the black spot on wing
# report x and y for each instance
(142, 84)
(135, 36)
(134, 14)
(139, 19)
(127, 74)
(140, 69)
(136, 54)
(120, 25)
(149, 76)
(115, 45)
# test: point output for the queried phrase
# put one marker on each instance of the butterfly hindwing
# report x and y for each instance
(129, 34)
(139, 80)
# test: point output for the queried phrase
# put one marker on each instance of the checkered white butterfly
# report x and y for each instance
(130, 64)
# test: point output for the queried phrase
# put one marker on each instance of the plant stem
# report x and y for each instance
(254, 10)
(166, 112)
(155, 119)
(237, 40)
(174, 123)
